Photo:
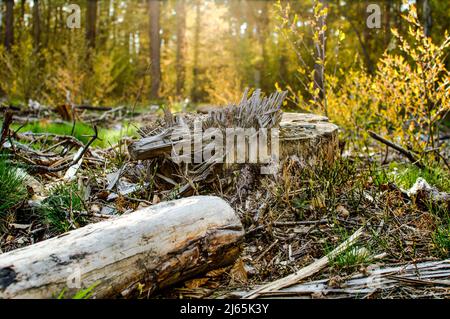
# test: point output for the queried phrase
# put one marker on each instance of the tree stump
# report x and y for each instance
(310, 137)
(157, 246)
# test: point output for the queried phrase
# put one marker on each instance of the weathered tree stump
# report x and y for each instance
(310, 137)
(157, 246)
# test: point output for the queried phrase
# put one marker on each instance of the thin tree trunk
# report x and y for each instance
(91, 22)
(1, 16)
(181, 38)
(9, 24)
(428, 21)
(319, 74)
(36, 24)
(155, 48)
(387, 24)
(22, 14)
(48, 22)
(263, 24)
(195, 91)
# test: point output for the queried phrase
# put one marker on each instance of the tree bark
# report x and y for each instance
(319, 68)
(155, 48)
(36, 24)
(428, 21)
(181, 39)
(9, 24)
(1, 16)
(91, 22)
(157, 246)
(195, 90)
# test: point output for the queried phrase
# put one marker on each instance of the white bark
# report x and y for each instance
(156, 246)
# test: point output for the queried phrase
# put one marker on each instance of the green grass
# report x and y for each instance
(351, 258)
(83, 132)
(441, 239)
(12, 187)
(405, 175)
(60, 211)
(81, 294)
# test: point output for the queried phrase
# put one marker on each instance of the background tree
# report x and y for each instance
(155, 48)
(9, 24)
(36, 24)
(91, 22)
(181, 46)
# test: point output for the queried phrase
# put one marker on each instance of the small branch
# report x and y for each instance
(306, 271)
(5, 128)
(410, 155)
(45, 169)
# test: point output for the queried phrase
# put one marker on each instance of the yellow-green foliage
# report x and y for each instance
(404, 100)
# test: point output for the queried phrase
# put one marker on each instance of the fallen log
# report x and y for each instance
(154, 247)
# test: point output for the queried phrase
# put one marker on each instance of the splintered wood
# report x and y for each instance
(309, 138)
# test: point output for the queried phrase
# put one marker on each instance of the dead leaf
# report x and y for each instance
(342, 211)
(195, 283)
(238, 272)
(216, 272)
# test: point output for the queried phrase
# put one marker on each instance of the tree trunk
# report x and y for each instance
(91, 22)
(195, 90)
(155, 48)
(48, 19)
(387, 23)
(9, 24)
(36, 25)
(157, 246)
(1, 16)
(428, 21)
(319, 66)
(263, 24)
(181, 38)
(22, 14)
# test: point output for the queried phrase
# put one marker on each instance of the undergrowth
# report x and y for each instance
(12, 188)
(61, 209)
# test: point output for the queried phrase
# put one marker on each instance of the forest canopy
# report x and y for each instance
(199, 51)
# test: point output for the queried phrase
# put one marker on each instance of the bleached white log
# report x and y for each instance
(156, 246)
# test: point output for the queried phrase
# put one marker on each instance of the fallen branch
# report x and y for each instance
(5, 128)
(45, 169)
(306, 271)
(410, 155)
(143, 251)
(425, 274)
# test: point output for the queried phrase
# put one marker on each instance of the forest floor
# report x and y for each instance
(290, 221)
